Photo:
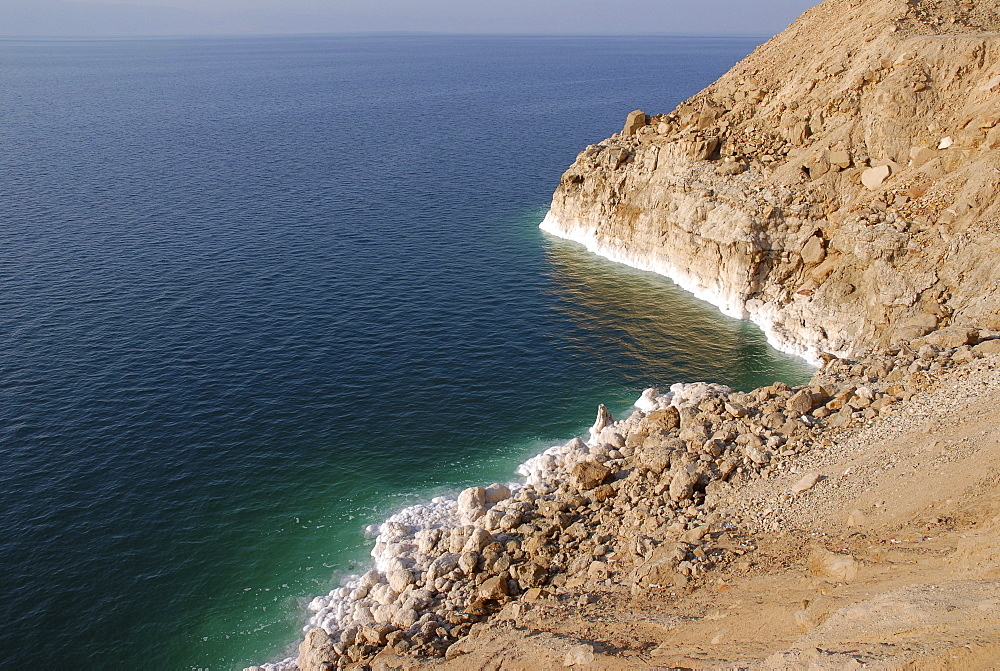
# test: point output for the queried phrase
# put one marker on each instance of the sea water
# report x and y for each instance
(258, 293)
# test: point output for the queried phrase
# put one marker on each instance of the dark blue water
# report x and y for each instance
(258, 293)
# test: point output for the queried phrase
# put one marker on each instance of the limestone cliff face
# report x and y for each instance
(838, 186)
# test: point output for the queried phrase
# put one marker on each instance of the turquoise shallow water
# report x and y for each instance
(258, 293)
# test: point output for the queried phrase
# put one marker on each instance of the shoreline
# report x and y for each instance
(732, 306)
(442, 570)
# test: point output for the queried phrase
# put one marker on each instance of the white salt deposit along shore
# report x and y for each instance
(416, 548)
(728, 301)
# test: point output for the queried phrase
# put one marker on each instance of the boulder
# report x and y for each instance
(493, 589)
(874, 178)
(682, 485)
(587, 475)
(471, 504)
(635, 120)
(952, 337)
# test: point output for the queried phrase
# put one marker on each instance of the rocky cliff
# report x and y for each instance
(837, 186)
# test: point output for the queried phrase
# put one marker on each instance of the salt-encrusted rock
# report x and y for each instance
(444, 564)
(496, 493)
(400, 580)
(604, 419)
(471, 504)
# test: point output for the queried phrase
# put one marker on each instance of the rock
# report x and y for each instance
(496, 493)
(814, 251)
(471, 504)
(493, 589)
(315, 651)
(664, 420)
(478, 539)
(587, 475)
(399, 580)
(468, 562)
(682, 485)
(838, 567)
(856, 519)
(443, 565)
(873, 178)
(807, 482)
(921, 155)
(987, 348)
(579, 655)
(634, 122)
(840, 159)
(952, 337)
(735, 409)
(603, 420)
(802, 402)
(530, 574)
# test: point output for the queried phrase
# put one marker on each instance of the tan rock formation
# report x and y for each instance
(866, 210)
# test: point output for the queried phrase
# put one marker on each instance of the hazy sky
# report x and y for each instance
(116, 17)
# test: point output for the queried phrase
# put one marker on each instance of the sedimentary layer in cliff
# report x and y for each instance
(838, 186)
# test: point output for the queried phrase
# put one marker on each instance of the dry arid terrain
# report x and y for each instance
(890, 561)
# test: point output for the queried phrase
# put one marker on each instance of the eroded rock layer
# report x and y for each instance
(837, 186)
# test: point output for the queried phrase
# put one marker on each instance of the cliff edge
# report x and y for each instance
(837, 186)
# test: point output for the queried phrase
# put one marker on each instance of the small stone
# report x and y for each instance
(806, 483)
(856, 519)
(579, 655)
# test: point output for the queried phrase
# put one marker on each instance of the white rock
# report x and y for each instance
(579, 655)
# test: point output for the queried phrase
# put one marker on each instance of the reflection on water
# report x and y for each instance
(666, 334)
